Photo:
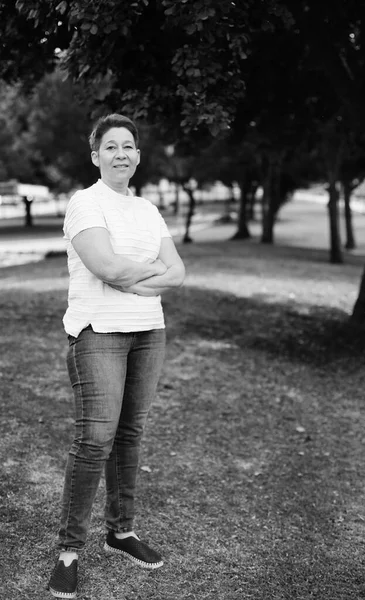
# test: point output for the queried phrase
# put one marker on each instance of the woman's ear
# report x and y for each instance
(95, 158)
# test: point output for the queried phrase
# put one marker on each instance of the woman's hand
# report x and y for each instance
(160, 269)
(117, 287)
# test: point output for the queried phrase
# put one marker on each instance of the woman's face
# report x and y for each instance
(117, 158)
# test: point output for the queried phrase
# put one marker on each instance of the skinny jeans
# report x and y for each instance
(114, 378)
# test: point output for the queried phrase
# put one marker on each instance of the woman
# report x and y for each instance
(121, 258)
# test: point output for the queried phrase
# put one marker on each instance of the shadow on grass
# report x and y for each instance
(303, 253)
(314, 335)
(41, 229)
(298, 253)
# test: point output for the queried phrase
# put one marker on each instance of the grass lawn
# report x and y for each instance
(252, 478)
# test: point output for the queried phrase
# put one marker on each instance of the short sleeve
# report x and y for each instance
(163, 227)
(82, 212)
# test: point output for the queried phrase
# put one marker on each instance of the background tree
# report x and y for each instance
(43, 137)
(351, 176)
(16, 158)
(181, 169)
(333, 35)
(58, 128)
(154, 163)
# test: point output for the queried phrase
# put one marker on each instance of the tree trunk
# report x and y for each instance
(251, 216)
(226, 216)
(243, 232)
(161, 203)
(177, 199)
(333, 147)
(350, 238)
(28, 213)
(268, 213)
(335, 248)
(190, 214)
(138, 190)
(358, 312)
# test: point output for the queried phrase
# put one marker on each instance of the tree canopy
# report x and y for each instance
(182, 61)
(188, 63)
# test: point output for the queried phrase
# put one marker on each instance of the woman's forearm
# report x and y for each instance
(158, 284)
(173, 277)
(125, 272)
(144, 290)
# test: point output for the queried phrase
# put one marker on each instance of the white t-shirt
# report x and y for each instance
(136, 228)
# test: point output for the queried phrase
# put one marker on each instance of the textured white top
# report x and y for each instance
(136, 228)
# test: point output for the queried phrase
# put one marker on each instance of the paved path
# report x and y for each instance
(19, 244)
(302, 223)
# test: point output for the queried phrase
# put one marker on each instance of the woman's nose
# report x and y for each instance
(120, 151)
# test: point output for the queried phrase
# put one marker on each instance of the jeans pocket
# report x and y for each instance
(71, 340)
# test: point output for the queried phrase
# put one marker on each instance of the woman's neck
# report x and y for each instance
(119, 188)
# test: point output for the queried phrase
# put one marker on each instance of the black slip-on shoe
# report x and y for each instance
(63, 581)
(135, 550)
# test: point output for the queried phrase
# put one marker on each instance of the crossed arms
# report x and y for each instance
(143, 278)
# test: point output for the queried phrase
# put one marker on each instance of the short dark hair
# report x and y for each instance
(105, 123)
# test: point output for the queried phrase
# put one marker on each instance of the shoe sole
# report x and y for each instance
(62, 594)
(136, 561)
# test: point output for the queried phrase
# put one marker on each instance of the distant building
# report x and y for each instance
(12, 192)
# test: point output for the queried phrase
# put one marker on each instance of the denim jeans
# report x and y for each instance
(114, 378)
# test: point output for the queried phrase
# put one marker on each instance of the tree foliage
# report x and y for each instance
(58, 132)
(16, 159)
(43, 137)
(180, 60)
(28, 40)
